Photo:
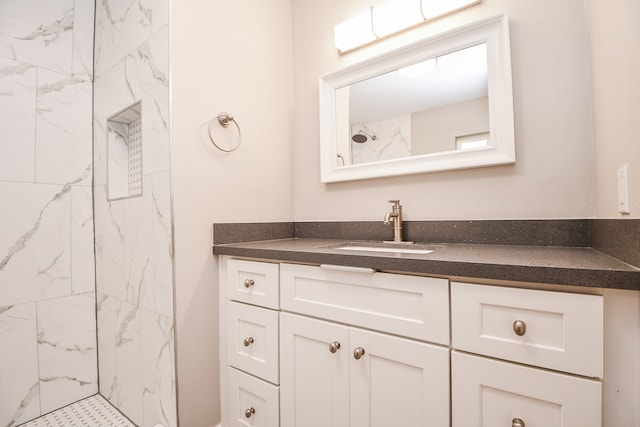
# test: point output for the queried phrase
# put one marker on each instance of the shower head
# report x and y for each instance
(359, 138)
(362, 136)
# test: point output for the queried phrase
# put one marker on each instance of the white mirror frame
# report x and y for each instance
(494, 32)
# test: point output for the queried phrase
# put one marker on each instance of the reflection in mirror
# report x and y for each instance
(440, 103)
(419, 109)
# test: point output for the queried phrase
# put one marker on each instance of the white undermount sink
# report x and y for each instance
(399, 248)
(389, 249)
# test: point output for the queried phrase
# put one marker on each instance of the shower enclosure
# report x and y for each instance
(86, 277)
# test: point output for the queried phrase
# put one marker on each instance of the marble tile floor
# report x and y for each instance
(94, 411)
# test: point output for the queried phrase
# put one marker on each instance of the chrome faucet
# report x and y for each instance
(395, 216)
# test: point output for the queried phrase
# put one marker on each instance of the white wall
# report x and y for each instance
(615, 39)
(234, 57)
(436, 129)
(554, 173)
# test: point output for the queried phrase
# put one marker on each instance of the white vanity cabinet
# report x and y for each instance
(315, 368)
(336, 373)
(340, 376)
(251, 359)
(560, 332)
(330, 346)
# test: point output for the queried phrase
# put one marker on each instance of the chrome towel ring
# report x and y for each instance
(224, 119)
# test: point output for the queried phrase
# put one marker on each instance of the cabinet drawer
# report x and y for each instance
(252, 402)
(252, 340)
(411, 306)
(554, 330)
(253, 282)
(489, 393)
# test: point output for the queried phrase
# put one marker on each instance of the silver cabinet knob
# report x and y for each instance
(248, 341)
(249, 283)
(358, 353)
(334, 346)
(249, 412)
(519, 327)
(517, 422)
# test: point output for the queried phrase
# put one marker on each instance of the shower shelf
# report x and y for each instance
(124, 153)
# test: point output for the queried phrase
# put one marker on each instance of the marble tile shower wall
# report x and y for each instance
(47, 286)
(134, 273)
(392, 140)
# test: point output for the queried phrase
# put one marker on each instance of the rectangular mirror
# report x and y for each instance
(441, 103)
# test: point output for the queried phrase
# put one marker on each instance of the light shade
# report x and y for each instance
(435, 8)
(392, 17)
(395, 16)
(354, 32)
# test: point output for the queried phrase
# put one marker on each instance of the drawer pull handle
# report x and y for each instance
(252, 411)
(520, 328)
(248, 341)
(517, 422)
(334, 346)
(249, 283)
(358, 353)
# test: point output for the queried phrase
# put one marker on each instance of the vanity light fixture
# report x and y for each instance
(354, 32)
(390, 18)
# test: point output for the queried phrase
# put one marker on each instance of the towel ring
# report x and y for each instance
(224, 119)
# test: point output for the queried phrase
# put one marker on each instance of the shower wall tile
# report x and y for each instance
(106, 323)
(393, 140)
(133, 236)
(148, 71)
(35, 242)
(83, 19)
(120, 27)
(160, 15)
(162, 242)
(111, 96)
(113, 93)
(99, 149)
(138, 248)
(17, 119)
(136, 348)
(63, 129)
(109, 245)
(46, 232)
(140, 76)
(158, 374)
(129, 362)
(38, 33)
(67, 350)
(19, 385)
(82, 249)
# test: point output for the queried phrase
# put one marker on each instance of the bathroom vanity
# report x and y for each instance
(312, 334)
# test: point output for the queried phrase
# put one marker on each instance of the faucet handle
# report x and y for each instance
(396, 202)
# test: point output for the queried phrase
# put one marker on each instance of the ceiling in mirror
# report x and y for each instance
(447, 79)
(441, 103)
(422, 108)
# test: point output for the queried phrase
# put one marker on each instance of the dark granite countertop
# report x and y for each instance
(578, 266)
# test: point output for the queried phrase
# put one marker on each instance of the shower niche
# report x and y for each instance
(124, 153)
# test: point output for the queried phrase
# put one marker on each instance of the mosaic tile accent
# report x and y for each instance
(93, 411)
(135, 157)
